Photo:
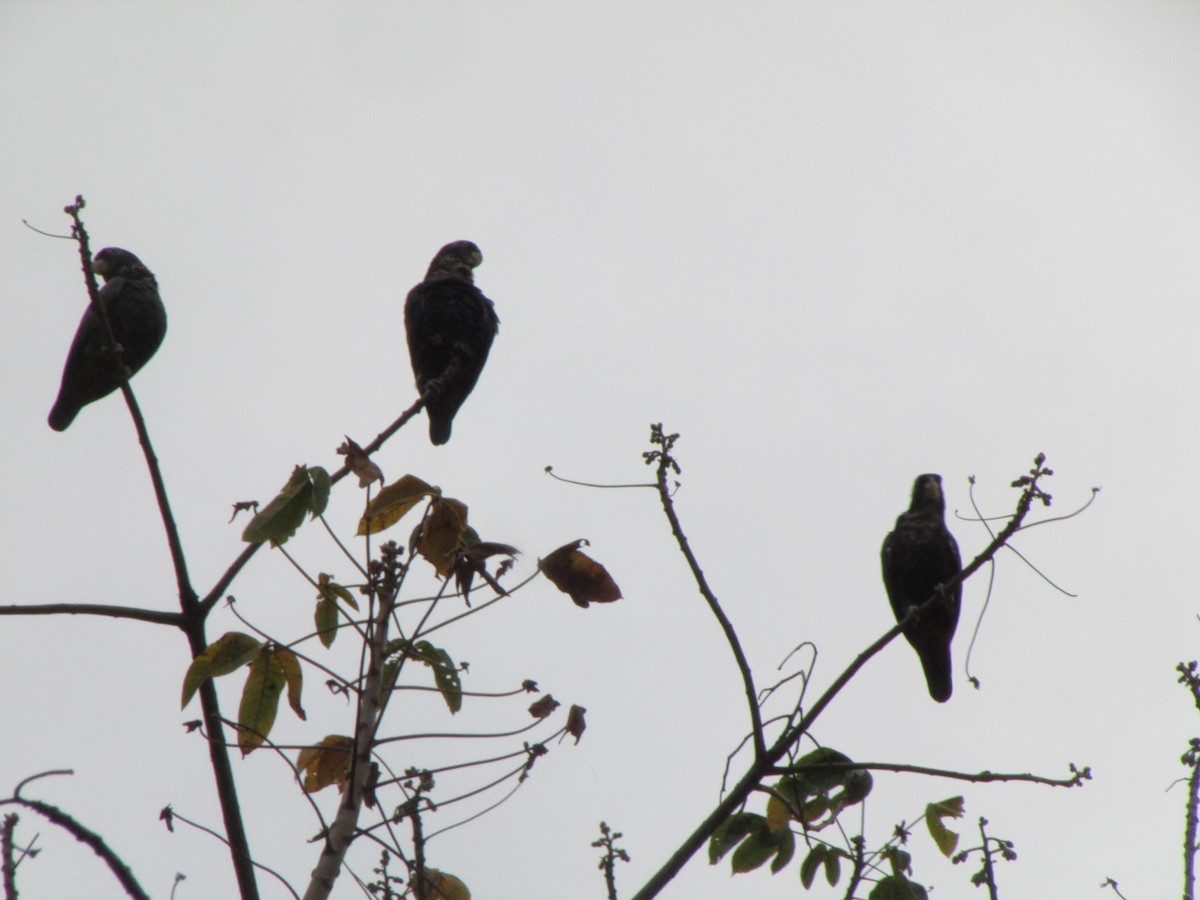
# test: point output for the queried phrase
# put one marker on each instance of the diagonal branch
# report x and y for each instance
(81, 833)
(764, 763)
(218, 590)
(187, 594)
(664, 462)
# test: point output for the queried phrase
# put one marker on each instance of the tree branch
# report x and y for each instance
(1078, 776)
(93, 609)
(340, 834)
(764, 763)
(187, 594)
(85, 835)
(665, 462)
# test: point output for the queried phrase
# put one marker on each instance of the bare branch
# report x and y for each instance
(766, 761)
(663, 462)
(1078, 776)
(153, 616)
(82, 834)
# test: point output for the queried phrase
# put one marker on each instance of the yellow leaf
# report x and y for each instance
(777, 813)
(446, 886)
(946, 840)
(442, 533)
(327, 763)
(393, 502)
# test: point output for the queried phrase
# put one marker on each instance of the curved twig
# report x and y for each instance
(84, 835)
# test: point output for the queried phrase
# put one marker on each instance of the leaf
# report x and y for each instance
(858, 784)
(946, 840)
(360, 464)
(816, 782)
(794, 792)
(543, 707)
(327, 763)
(833, 866)
(812, 862)
(760, 845)
(390, 506)
(331, 590)
(575, 723)
(730, 832)
(290, 666)
(445, 886)
(260, 698)
(897, 887)
(307, 491)
(445, 673)
(325, 617)
(442, 532)
(578, 575)
(326, 621)
(785, 842)
(471, 558)
(228, 653)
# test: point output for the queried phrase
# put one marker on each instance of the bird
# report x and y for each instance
(139, 323)
(450, 326)
(919, 555)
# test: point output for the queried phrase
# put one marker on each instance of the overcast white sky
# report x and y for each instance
(833, 245)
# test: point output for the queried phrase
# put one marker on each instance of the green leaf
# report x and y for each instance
(326, 620)
(895, 887)
(330, 590)
(322, 485)
(946, 840)
(325, 617)
(306, 491)
(833, 866)
(756, 849)
(812, 862)
(818, 782)
(900, 860)
(290, 666)
(388, 675)
(227, 654)
(445, 673)
(785, 843)
(260, 699)
(858, 784)
(729, 832)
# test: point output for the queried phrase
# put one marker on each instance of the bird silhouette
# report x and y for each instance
(450, 326)
(139, 323)
(917, 556)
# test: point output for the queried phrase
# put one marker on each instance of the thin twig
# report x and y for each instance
(185, 820)
(664, 462)
(1078, 776)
